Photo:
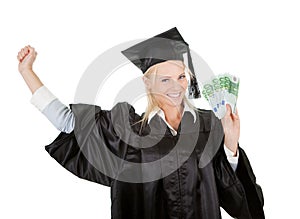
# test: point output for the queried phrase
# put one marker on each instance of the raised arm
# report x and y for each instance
(58, 113)
(65, 148)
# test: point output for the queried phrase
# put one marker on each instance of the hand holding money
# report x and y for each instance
(221, 90)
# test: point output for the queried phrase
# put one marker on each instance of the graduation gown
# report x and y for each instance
(153, 174)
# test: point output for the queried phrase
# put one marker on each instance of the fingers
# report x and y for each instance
(236, 115)
(228, 110)
(24, 51)
(27, 50)
(230, 114)
(236, 112)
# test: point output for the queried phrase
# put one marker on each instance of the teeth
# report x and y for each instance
(174, 95)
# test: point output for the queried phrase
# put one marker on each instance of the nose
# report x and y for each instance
(175, 84)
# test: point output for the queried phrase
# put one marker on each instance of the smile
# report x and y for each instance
(173, 95)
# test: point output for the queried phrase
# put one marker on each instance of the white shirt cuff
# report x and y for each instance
(42, 97)
(233, 160)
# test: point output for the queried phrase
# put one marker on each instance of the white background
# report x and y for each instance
(256, 40)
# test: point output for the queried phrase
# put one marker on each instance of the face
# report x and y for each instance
(169, 83)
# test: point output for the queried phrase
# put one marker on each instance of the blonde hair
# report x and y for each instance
(152, 103)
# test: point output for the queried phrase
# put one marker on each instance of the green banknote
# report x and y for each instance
(220, 90)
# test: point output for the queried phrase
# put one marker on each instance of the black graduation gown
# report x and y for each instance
(192, 182)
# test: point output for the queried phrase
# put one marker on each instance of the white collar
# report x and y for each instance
(161, 113)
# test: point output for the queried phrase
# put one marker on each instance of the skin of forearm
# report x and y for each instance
(32, 80)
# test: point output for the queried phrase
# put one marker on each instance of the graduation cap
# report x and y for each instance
(168, 45)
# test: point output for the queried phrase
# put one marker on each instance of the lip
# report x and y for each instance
(174, 94)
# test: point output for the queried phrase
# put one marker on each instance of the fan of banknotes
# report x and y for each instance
(221, 90)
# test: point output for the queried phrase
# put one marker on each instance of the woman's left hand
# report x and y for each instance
(231, 127)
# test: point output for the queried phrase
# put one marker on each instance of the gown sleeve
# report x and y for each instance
(92, 149)
(239, 194)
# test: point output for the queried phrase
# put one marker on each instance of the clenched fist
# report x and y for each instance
(26, 57)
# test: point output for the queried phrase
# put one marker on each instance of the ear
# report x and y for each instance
(147, 82)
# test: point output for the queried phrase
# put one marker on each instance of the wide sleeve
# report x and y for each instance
(93, 150)
(239, 194)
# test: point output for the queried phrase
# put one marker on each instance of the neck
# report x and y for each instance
(172, 113)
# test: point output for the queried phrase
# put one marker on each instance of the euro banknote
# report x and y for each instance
(220, 90)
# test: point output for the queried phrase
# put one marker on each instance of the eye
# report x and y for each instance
(165, 80)
(181, 76)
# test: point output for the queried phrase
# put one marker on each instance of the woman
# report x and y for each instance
(173, 161)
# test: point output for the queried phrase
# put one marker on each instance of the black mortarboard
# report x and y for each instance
(168, 45)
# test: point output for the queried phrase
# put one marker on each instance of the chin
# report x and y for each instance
(173, 103)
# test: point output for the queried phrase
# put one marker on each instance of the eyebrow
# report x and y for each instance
(168, 76)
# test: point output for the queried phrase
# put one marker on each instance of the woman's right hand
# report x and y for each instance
(26, 58)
